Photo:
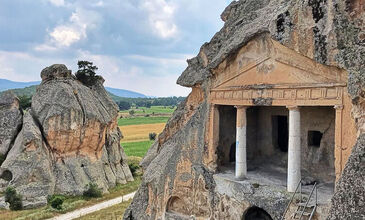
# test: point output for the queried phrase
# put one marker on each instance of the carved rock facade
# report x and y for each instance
(180, 167)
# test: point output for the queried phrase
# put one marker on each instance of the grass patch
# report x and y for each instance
(113, 212)
(71, 203)
(138, 149)
(142, 120)
(137, 133)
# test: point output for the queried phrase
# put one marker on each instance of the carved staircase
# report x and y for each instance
(307, 205)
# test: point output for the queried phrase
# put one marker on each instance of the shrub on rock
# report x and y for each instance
(56, 201)
(92, 191)
(13, 198)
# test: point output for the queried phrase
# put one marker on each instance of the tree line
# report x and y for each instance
(127, 103)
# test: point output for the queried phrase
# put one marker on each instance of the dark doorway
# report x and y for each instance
(256, 213)
(280, 132)
(232, 152)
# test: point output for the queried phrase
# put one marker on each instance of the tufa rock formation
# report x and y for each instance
(11, 118)
(69, 137)
(177, 177)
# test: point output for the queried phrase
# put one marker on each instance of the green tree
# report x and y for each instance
(86, 73)
(124, 105)
(25, 101)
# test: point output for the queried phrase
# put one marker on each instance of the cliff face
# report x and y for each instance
(69, 138)
(331, 32)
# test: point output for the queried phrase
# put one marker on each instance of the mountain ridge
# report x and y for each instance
(6, 84)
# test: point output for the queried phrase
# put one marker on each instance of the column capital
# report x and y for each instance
(338, 107)
(293, 107)
(241, 106)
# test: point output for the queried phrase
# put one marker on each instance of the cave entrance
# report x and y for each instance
(256, 213)
(266, 142)
(280, 132)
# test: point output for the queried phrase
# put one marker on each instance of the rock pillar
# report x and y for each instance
(294, 151)
(241, 160)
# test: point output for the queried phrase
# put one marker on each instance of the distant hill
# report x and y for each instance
(28, 88)
(7, 84)
(125, 93)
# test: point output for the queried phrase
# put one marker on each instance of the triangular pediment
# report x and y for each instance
(263, 61)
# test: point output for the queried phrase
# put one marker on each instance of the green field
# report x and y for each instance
(142, 120)
(138, 149)
(153, 109)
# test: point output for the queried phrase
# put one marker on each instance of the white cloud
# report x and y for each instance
(65, 36)
(73, 31)
(160, 17)
(57, 3)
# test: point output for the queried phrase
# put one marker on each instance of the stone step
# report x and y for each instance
(298, 213)
(309, 205)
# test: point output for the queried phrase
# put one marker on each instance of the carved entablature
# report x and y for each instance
(281, 96)
(266, 70)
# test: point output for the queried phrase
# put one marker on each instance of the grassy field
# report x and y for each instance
(153, 109)
(70, 204)
(138, 149)
(142, 120)
(113, 212)
(134, 133)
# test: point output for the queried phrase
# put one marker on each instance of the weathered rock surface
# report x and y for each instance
(10, 121)
(177, 178)
(69, 138)
(349, 199)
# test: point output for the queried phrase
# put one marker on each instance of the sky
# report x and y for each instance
(139, 45)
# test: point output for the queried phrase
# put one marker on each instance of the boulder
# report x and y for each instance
(11, 117)
(68, 139)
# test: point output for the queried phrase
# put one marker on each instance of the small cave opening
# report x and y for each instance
(314, 138)
(82, 165)
(317, 9)
(256, 213)
(7, 175)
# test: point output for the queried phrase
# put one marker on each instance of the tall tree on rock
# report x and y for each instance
(86, 73)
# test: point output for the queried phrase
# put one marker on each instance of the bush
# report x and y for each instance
(13, 198)
(133, 168)
(152, 136)
(92, 191)
(131, 112)
(56, 201)
(25, 101)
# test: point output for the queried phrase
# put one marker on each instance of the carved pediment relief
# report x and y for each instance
(263, 61)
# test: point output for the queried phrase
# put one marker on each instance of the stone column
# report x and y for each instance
(241, 160)
(338, 141)
(294, 149)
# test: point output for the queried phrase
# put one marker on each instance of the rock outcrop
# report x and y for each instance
(177, 177)
(349, 199)
(69, 138)
(11, 117)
